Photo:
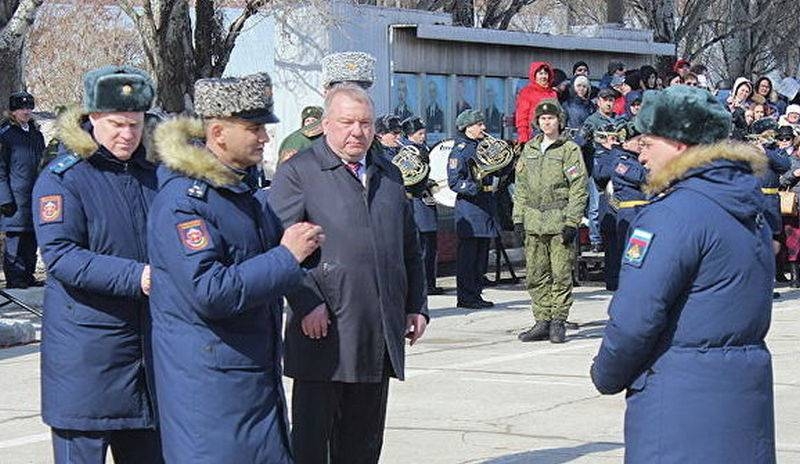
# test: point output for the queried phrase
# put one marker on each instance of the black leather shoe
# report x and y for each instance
(539, 331)
(36, 283)
(485, 303)
(435, 291)
(470, 304)
(558, 332)
(16, 285)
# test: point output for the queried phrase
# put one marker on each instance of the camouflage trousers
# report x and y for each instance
(549, 281)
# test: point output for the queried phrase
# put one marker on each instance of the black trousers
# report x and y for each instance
(338, 423)
(127, 446)
(429, 247)
(19, 258)
(472, 262)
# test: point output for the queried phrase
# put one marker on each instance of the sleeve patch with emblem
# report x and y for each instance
(194, 235)
(51, 208)
(453, 163)
(572, 172)
(637, 248)
(621, 169)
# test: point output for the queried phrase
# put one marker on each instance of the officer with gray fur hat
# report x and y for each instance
(223, 264)
(91, 206)
(475, 210)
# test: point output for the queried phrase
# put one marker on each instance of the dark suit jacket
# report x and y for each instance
(369, 271)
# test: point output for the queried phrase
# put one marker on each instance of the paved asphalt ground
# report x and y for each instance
(474, 394)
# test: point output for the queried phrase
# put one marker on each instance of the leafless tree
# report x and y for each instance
(176, 56)
(16, 19)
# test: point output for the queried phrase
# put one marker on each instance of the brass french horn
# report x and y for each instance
(411, 164)
(491, 155)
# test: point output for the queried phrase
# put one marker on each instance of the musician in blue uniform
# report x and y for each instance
(620, 168)
(475, 210)
(424, 205)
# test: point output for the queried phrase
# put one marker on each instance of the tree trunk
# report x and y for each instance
(615, 13)
(463, 12)
(16, 18)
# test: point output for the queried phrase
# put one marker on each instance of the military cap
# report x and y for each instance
(551, 107)
(785, 131)
(617, 81)
(763, 125)
(19, 100)
(607, 92)
(468, 118)
(686, 114)
(388, 123)
(412, 124)
(356, 67)
(248, 98)
(310, 112)
(117, 88)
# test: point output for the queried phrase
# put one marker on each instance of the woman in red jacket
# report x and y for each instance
(540, 87)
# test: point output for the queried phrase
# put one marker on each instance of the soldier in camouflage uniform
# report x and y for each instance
(549, 200)
(310, 130)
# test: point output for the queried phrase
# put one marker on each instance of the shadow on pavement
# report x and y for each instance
(17, 351)
(555, 455)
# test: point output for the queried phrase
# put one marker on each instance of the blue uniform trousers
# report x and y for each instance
(472, 260)
(427, 241)
(135, 446)
(19, 258)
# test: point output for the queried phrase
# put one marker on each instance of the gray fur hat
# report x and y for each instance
(248, 97)
(117, 88)
(357, 67)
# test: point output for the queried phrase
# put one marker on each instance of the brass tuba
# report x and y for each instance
(765, 138)
(412, 165)
(491, 155)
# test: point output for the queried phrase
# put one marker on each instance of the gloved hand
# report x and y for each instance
(568, 235)
(519, 229)
(8, 209)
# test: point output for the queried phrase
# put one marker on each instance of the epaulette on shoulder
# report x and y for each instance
(197, 190)
(4, 128)
(61, 164)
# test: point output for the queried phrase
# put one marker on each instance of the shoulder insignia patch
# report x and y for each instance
(194, 235)
(572, 172)
(461, 145)
(637, 248)
(197, 190)
(453, 164)
(63, 163)
(51, 209)
(621, 169)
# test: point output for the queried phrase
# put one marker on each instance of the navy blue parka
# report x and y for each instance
(20, 154)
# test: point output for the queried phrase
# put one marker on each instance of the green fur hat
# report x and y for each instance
(468, 118)
(117, 88)
(686, 114)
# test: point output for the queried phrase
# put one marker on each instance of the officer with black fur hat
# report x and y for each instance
(92, 204)
(475, 210)
(223, 263)
(21, 149)
(388, 132)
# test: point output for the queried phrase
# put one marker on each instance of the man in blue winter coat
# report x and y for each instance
(687, 325)
(21, 149)
(221, 267)
(91, 208)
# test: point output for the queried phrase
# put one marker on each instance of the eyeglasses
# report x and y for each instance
(691, 84)
(784, 138)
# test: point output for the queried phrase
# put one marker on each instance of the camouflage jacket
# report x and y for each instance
(299, 140)
(550, 189)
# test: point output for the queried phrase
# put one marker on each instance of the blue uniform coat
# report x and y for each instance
(20, 156)
(91, 216)
(687, 325)
(369, 272)
(219, 275)
(476, 206)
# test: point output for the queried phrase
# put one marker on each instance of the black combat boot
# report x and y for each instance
(539, 331)
(794, 268)
(558, 331)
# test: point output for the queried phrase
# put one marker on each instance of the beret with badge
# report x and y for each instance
(248, 98)
(356, 67)
(468, 118)
(703, 120)
(117, 89)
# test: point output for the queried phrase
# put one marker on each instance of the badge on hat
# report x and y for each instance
(194, 235)
(51, 209)
(638, 245)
